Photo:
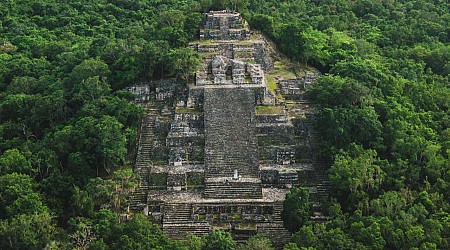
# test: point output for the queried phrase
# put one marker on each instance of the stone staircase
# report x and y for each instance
(319, 192)
(226, 192)
(223, 24)
(277, 208)
(276, 233)
(233, 190)
(311, 135)
(178, 221)
(177, 213)
(288, 178)
(323, 183)
(231, 144)
(138, 199)
(146, 139)
(306, 177)
(180, 231)
(230, 138)
(317, 215)
(275, 230)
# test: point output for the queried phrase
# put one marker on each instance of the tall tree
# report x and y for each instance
(296, 209)
(219, 240)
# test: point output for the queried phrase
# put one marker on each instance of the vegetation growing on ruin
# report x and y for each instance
(182, 110)
(271, 84)
(282, 69)
(68, 130)
(269, 110)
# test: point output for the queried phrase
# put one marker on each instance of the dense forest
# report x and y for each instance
(68, 128)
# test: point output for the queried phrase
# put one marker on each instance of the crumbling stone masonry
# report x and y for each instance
(222, 153)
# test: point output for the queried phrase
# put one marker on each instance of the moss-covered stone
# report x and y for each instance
(269, 110)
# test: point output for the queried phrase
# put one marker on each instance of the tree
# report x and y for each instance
(18, 196)
(339, 127)
(388, 204)
(206, 5)
(56, 188)
(305, 237)
(27, 231)
(91, 89)
(238, 5)
(338, 239)
(191, 242)
(14, 161)
(139, 233)
(105, 223)
(370, 72)
(367, 232)
(183, 62)
(82, 203)
(291, 246)
(87, 69)
(112, 144)
(125, 181)
(262, 22)
(218, 240)
(291, 42)
(101, 191)
(340, 46)
(99, 142)
(257, 242)
(296, 209)
(356, 172)
(335, 91)
(313, 49)
(83, 237)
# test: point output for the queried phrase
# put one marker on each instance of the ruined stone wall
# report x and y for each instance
(224, 25)
(262, 55)
(273, 119)
(186, 139)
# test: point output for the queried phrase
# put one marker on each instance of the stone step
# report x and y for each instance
(276, 233)
(177, 213)
(143, 157)
(318, 217)
(138, 199)
(230, 133)
(181, 230)
(233, 190)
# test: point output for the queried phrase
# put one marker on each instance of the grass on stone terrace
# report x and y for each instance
(208, 53)
(269, 110)
(271, 84)
(183, 110)
(206, 42)
(282, 69)
(246, 226)
(221, 226)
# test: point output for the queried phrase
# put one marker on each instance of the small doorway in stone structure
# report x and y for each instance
(229, 73)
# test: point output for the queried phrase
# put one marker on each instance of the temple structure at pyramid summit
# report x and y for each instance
(223, 152)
